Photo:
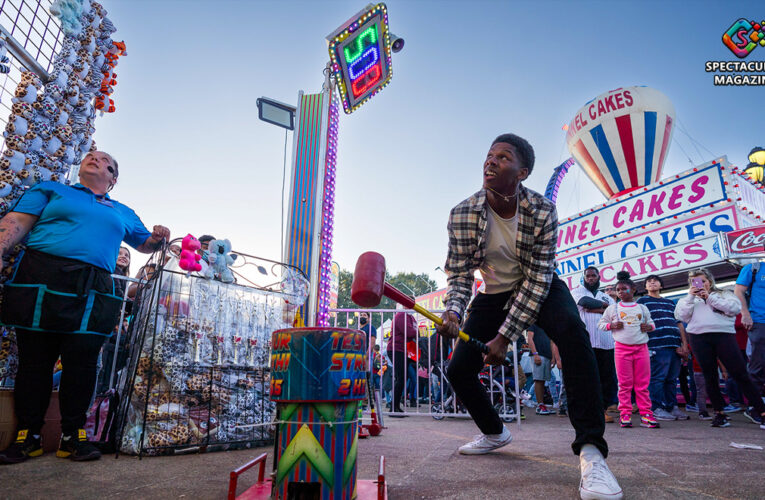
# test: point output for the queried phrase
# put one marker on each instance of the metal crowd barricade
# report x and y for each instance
(127, 280)
(431, 394)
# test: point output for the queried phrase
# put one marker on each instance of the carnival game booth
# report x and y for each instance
(666, 228)
(649, 224)
(198, 376)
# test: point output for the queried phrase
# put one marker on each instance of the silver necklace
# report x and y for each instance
(506, 197)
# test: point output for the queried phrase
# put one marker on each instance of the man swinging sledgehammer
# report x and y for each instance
(509, 234)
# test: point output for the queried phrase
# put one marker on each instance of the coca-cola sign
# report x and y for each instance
(749, 240)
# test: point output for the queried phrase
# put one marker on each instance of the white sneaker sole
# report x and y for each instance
(483, 451)
(593, 495)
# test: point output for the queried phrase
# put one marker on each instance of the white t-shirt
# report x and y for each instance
(500, 269)
(632, 315)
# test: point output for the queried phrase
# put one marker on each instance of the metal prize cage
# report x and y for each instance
(198, 372)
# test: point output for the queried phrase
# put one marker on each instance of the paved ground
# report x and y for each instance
(681, 460)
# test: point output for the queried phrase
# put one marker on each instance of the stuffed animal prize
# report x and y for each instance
(189, 260)
(219, 258)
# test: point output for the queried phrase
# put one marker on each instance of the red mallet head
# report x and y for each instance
(368, 280)
(369, 286)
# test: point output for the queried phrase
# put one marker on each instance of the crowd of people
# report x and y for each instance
(652, 339)
(646, 347)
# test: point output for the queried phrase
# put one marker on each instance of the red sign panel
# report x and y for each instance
(749, 240)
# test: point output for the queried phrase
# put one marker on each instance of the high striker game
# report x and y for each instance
(318, 376)
(359, 67)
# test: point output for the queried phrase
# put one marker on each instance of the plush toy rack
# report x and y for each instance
(198, 376)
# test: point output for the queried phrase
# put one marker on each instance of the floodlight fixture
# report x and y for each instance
(276, 113)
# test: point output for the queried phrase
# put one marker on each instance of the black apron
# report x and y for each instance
(56, 294)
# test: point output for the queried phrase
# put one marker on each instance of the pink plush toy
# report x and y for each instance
(189, 260)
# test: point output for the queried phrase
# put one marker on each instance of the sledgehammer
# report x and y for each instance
(369, 287)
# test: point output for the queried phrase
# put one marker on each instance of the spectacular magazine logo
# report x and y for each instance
(741, 38)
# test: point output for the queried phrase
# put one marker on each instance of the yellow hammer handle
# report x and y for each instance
(432, 317)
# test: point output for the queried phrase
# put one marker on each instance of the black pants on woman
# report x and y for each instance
(38, 352)
(559, 318)
(708, 348)
(399, 375)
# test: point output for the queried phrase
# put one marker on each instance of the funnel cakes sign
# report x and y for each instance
(665, 200)
(652, 241)
(695, 253)
(695, 218)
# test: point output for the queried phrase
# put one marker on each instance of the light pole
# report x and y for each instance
(410, 290)
(430, 288)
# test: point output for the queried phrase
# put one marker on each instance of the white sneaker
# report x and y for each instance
(484, 443)
(662, 414)
(679, 414)
(598, 483)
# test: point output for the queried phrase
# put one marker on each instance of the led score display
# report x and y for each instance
(360, 52)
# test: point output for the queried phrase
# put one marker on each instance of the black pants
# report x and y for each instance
(38, 352)
(559, 318)
(684, 382)
(607, 371)
(708, 348)
(399, 368)
(107, 360)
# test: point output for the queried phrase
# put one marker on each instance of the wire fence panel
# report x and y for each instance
(413, 365)
(34, 29)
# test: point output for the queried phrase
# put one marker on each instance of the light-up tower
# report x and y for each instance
(359, 67)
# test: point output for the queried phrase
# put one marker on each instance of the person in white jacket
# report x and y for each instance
(710, 314)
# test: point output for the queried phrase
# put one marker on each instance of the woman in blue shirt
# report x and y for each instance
(62, 300)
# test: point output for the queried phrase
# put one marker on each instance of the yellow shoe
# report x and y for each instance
(78, 448)
(26, 446)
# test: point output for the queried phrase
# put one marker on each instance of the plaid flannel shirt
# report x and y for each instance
(536, 243)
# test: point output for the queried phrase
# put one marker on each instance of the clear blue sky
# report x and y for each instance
(193, 155)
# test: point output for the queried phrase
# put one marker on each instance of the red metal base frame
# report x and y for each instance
(366, 489)
(374, 428)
